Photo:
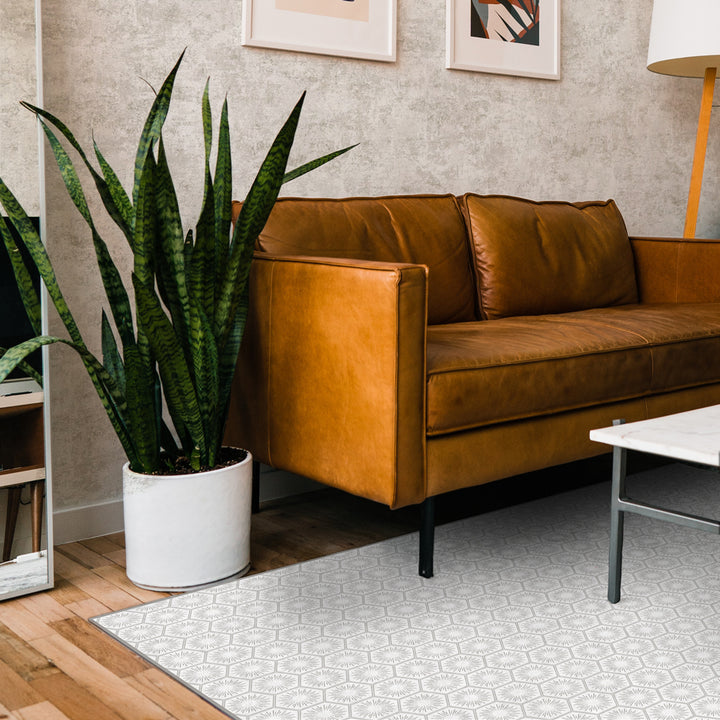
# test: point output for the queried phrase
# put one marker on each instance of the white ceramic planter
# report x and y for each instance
(185, 531)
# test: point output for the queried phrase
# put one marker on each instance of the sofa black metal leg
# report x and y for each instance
(427, 537)
(255, 487)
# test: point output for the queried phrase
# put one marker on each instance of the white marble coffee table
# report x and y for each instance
(692, 436)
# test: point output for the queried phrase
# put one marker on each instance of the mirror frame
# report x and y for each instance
(48, 503)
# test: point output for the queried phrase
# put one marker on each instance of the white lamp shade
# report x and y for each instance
(684, 37)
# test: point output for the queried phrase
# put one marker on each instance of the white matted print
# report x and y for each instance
(350, 28)
(510, 37)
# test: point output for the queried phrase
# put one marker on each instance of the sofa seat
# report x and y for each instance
(488, 372)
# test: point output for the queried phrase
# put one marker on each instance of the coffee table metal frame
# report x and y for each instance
(678, 436)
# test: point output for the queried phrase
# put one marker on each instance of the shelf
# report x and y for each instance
(16, 404)
(21, 475)
(21, 433)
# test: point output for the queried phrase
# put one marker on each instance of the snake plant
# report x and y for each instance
(190, 289)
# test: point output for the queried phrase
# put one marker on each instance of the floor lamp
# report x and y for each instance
(685, 41)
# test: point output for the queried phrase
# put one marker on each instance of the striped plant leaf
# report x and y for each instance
(205, 372)
(23, 279)
(253, 216)
(178, 388)
(34, 246)
(228, 358)
(107, 194)
(13, 356)
(120, 198)
(207, 122)
(201, 279)
(146, 220)
(141, 414)
(114, 289)
(153, 126)
(111, 357)
(314, 164)
(170, 258)
(27, 369)
(222, 186)
(101, 380)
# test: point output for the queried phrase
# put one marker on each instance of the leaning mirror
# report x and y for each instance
(25, 488)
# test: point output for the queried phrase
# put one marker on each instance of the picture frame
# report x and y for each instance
(365, 29)
(505, 37)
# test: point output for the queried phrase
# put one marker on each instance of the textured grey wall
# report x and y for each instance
(609, 128)
(18, 130)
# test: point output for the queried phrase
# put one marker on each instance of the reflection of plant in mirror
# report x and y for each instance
(27, 292)
(191, 289)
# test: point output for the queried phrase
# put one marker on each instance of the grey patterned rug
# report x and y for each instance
(514, 625)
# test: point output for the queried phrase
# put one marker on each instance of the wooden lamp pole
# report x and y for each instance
(696, 178)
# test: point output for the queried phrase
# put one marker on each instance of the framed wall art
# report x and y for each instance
(510, 37)
(349, 28)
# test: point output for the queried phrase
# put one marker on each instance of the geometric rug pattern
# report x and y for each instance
(515, 624)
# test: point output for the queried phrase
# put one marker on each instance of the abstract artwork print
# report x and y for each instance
(345, 9)
(514, 21)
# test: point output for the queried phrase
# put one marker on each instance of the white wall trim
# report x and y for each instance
(80, 523)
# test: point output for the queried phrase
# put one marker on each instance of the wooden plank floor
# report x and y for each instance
(55, 665)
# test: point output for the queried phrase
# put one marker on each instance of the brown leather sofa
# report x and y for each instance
(403, 347)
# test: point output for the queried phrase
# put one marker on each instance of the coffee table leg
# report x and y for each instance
(617, 521)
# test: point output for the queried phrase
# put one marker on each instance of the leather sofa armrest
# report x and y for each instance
(677, 270)
(331, 374)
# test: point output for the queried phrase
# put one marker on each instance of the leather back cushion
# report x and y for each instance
(422, 229)
(536, 258)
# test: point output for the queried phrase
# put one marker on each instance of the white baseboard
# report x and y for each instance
(81, 523)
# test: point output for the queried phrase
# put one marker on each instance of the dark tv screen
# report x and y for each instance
(14, 324)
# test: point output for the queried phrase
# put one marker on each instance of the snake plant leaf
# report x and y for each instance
(146, 220)
(107, 194)
(153, 125)
(101, 380)
(111, 357)
(178, 389)
(222, 186)
(313, 164)
(26, 369)
(141, 414)
(120, 198)
(207, 121)
(170, 260)
(205, 371)
(201, 278)
(114, 289)
(13, 356)
(227, 360)
(255, 211)
(31, 240)
(23, 280)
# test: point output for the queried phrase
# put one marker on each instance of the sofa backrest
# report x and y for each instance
(533, 258)
(422, 229)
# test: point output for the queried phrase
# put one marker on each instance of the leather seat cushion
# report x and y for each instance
(487, 372)
(535, 258)
(422, 229)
